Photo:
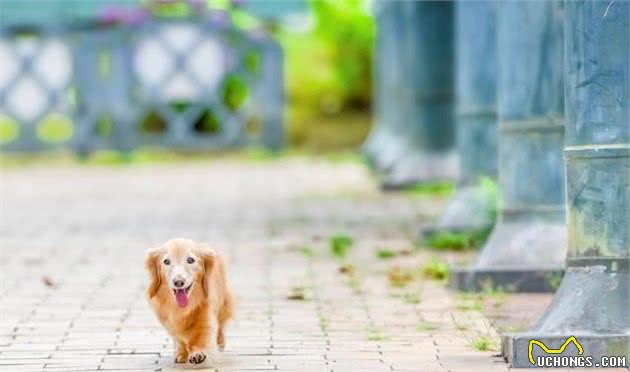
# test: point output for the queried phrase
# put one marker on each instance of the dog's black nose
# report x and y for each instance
(178, 283)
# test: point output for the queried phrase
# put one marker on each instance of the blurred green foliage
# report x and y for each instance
(234, 92)
(328, 75)
(9, 129)
(340, 245)
(328, 69)
(435, 269)
(348, 31)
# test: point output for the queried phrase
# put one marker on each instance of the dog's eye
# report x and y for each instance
(190, 260)
(167, 261)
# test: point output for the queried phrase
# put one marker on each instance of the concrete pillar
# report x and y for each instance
(385, 142)
(471, 208)
(593, 301)
(413, 136)
(526, 249)
(428, 96)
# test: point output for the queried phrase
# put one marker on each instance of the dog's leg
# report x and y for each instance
(205, 342)
(214, 330)
(199, 345)
(181, 353)
(225, 313)
(221, 337)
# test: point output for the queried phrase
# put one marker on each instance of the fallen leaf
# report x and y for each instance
(48, 282)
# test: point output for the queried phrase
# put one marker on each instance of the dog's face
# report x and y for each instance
(180, 265)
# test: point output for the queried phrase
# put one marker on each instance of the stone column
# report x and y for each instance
(413, 135)
(427, 111)
(385, 142)
(526, 249)
(593, 301)
(472, 207)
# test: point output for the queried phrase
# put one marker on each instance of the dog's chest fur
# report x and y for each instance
(180, 322)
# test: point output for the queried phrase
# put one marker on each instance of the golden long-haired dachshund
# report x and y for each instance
(189, 293)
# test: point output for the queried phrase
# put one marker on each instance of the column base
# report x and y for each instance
(509, 280)
(515, 349)
(524, 253)
(374, 145)
(592, 305)
(392, 148)
(417, 168)
(469, 211)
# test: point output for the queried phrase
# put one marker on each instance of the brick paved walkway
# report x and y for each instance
(72, 278)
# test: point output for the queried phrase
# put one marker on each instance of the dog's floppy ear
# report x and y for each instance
(207, 256)
(151, 262)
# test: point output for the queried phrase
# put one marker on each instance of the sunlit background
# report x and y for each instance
(326, 67)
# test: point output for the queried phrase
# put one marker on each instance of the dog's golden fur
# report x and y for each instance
(199, 326)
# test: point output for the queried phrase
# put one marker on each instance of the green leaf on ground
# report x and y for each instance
(340, 245)
(435, 269)
(385, 254)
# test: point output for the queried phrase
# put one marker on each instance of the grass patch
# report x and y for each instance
(435, 269)
(385, 254)
(442, 189)
(553, 280)
(469, 302)
(340, 245)
(427, 327)
(457, 241)
(374, 333)
(483, 343)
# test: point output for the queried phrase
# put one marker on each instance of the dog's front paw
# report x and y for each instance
(197, 357)
(181, 358)
(181, 354)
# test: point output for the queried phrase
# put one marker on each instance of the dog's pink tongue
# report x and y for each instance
(181, 297)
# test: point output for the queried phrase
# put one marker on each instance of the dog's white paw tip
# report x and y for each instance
(197, 357)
